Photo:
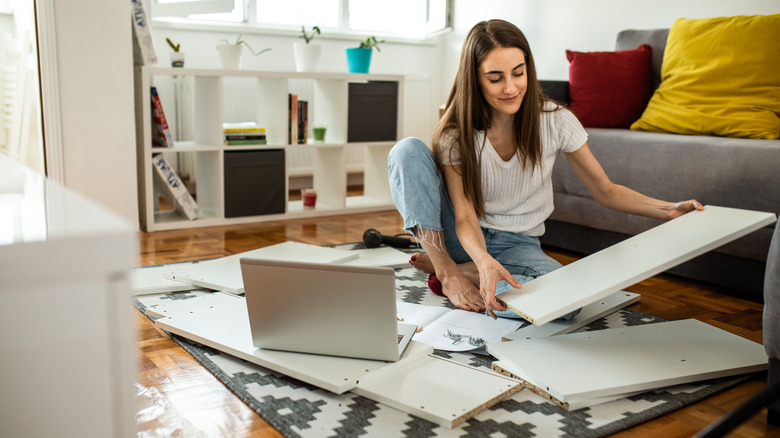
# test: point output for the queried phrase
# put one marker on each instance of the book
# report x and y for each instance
(161, 132)
(245, 142)
(250, 136)
(303, 121)
(242, 127)
(143, 47)
(166, 178)
(292, 136)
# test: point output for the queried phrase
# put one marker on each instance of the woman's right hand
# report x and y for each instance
(490, 273)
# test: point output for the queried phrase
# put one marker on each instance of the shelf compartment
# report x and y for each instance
(255, 183)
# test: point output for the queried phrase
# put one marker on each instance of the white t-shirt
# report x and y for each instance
(520, 200)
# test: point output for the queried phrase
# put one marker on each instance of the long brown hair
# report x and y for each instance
(467, 110)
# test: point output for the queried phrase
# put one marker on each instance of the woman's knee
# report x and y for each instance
(409, 148)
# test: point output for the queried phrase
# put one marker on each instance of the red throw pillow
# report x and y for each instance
(610, 89)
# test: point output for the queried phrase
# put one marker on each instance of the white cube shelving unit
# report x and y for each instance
(327, 105)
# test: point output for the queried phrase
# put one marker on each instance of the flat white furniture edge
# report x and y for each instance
(572, 405)
(437, 390)
(220, 321)
(611, 362)
(224, 273)
(589, 313)
(577, 284)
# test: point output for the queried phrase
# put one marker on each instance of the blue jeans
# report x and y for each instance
(421, 198)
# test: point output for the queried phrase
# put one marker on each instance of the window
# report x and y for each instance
(415, 19)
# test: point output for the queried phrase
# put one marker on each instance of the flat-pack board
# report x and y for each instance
(584, 281)
(604, 363)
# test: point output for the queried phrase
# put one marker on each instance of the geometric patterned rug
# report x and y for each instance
(297, 409)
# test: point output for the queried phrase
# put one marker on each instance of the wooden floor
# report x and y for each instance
(181, 398)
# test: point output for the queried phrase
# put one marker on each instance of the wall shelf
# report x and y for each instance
(328, 104)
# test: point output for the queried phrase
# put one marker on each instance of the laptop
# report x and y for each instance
(319, 308)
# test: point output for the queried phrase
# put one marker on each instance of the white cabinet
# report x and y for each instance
(207, 104)
(67, 358)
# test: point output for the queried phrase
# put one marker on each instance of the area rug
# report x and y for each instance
(297, 409)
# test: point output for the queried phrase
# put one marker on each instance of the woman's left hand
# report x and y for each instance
(683, 207)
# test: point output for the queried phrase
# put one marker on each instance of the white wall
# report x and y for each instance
(94, 60)
(553, 26)
(200, 51)
(96, 85)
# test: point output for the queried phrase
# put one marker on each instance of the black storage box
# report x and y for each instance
(372, 111)
(254, 183)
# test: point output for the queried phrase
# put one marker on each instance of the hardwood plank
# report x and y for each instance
(194, 403)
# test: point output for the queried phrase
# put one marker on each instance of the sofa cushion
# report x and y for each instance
(609, 89)
(719, 77)
(655, 38)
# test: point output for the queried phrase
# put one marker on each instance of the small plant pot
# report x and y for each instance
(307, 56)
(177, 59)
(231, 55)
(358, 60)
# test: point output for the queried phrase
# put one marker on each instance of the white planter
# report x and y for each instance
(231, 55)
(307, 56)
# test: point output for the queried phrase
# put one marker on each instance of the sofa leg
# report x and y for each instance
(773, 410)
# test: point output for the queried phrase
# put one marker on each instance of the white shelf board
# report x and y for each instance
(349, 77)
(224, 273)
(365, 201)
(222, 323)
(588, 314)
(610, 362)
(174, 217)
(571, 405)
(188, 146)
(591, 278)
(438, 390)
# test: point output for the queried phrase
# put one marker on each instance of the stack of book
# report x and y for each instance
(298, 122)
(244, 133)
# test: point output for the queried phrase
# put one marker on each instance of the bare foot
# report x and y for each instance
(462, 293)
(423, 262)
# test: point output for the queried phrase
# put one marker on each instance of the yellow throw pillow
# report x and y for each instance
(720, 76)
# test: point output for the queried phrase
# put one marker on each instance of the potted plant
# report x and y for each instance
(307, 54)
(232, 53)
(177, 57)
(359, 58)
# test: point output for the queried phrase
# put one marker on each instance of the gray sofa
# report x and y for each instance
(771, 327)
(729, 172)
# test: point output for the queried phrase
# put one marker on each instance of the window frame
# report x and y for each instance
(183, 8)
(250, 25)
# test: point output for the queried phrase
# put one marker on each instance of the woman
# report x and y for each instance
(478, 203)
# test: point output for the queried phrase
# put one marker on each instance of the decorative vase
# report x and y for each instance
(307, 56)
(177, 59)
(358, 60)
(231, 55)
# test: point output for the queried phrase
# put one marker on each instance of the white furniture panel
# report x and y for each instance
(438, 390)
(584, 281)
(610, 362)
(67, 357)
(224, 273)
(221, 322)
(588, 314)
